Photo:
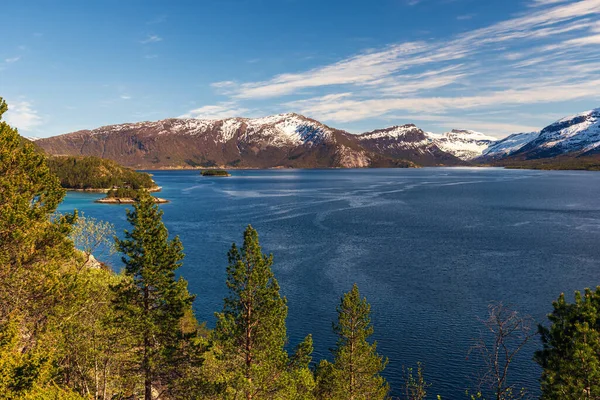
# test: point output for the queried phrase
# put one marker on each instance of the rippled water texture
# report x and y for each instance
(430, 248)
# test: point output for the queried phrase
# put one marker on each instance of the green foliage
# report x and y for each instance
(29, 194)
(571, 349)
(91, 235)
(247, 358)
(90, 344)
(19, 372)
(589, 163)
(35, 253)
(122, 193)
(215, 172)
(150, 303)
(415, 387)
(96, 173)
(355, 373)
(26, 375)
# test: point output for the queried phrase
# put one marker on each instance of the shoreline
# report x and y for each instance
(153, 189)
(127, 200)
(370, 168)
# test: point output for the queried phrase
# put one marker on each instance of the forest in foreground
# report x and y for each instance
(71, 328)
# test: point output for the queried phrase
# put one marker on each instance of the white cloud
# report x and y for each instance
(151, 39)
(22, 116)
(583, 41)
(218, 111)
(12, 60)
(363, 69)
(538, 3)
(348, 108)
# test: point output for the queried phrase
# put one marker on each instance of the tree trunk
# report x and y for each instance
(249, 347)
(146, 360)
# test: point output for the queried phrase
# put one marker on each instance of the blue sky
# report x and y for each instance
(497, 66)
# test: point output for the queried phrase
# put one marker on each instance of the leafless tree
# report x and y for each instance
(506, 333)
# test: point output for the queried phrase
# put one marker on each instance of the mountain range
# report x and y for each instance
(295, 141)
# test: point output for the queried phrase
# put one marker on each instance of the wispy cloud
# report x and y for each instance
(151, 39)
(548, 54)
(219, 111)
(12, 59)
(22, 115)
(538, 3)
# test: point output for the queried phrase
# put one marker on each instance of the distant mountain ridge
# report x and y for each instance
(293, 140)
(283, 140)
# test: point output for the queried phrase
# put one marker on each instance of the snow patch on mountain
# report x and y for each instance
(509, 145)
(394, 132)
(572, 134)
(275, 130)
(462, 143)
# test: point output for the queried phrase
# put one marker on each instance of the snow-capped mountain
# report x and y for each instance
(276, 130)
(462, 143)
(286, 140)
(408, 142)
(508, 145)
(575, 135)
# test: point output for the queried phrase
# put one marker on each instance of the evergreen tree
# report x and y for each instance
(247, 358)
(151, 303)
(37, 271)
(33, 245)
(571, 353)
(355, 373)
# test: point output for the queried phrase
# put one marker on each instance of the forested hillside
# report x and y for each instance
(96, 173)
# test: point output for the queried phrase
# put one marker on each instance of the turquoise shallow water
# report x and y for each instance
(428, 247)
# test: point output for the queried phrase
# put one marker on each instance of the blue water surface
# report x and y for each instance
(429, 248)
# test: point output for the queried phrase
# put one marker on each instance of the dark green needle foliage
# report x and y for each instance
(247, 357)
(32, 243)
(571, 353)
(151, 303)
(355, 372)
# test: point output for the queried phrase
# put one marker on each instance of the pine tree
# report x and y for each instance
(151, 302)
(247, 358)
(571, 353)
(355, 372)
(33, 245)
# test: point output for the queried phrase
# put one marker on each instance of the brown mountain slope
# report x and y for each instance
(285, 140)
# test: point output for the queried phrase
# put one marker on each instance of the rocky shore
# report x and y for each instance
(153, 189)
(126, 200)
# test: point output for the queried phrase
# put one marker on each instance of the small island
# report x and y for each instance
(125, 196)
(215, 172)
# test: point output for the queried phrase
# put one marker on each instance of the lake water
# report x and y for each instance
(429, 248)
